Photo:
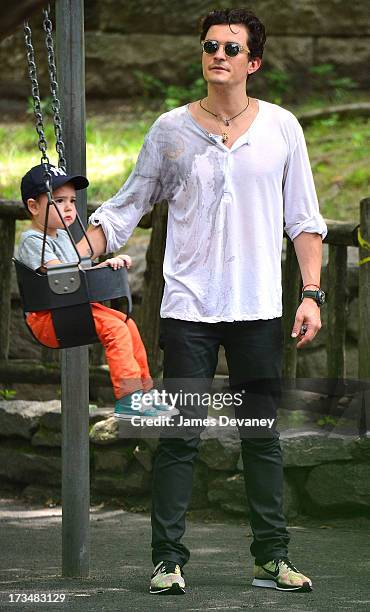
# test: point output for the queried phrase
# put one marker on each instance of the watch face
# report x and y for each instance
(320, 297)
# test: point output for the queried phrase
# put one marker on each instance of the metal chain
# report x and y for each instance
(32, 71)
(59, 144)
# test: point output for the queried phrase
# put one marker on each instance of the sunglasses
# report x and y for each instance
(231, 48)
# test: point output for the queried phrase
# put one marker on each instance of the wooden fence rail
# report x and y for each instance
(341, 234)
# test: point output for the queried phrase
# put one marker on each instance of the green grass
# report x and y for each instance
(338, 151)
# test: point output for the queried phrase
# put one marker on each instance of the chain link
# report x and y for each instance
(32, 72)
(59, 144)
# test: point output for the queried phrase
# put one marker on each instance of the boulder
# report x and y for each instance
(301, 449)
(134, 481)
(228, 492)
(144, 456)
(47, 437)
(220, 448)
(114, 460)
(21, 418)
(105, 432)
(340, 484)
(24, 463)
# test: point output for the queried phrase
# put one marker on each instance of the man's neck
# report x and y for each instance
(226, 103)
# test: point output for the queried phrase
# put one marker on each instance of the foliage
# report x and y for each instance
(325, 78)
(7, 394)
(279, 84)
(193, 87)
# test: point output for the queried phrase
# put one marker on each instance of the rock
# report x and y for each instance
(229, 493)
(52, 418)
(47, 437)
(21, 418)
(340, 484)
(335, 51)
(24, 463)
(313, 363)
(220, 448)
(105, 432)
(135, 481)
(112, 61)
(290, 500)
(307, 448)
(48, 496)
(112, 459)
(308, 17)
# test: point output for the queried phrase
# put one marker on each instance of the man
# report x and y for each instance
(232, 168)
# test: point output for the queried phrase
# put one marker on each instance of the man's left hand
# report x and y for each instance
(308, 315)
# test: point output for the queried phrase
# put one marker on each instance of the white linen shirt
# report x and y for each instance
(226, 210)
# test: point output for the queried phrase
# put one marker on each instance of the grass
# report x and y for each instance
(338, 151)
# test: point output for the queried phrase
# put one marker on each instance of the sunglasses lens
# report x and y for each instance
(231, 49)
(210, 46)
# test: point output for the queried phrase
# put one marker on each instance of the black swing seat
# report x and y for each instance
(67, 291)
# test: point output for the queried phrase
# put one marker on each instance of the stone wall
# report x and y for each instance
(325, 473)
(161, 39)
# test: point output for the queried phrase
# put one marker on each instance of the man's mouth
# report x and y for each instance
(219, 68)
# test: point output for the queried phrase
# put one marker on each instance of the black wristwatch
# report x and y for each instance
(318, 295)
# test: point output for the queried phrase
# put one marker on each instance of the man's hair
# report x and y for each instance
(255, 28)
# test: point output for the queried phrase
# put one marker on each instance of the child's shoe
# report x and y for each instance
(160, 405)
(134, 404)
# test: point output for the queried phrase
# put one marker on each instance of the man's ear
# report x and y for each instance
(254, 65)
(32, 205)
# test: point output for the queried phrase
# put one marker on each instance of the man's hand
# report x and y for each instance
(308, 314)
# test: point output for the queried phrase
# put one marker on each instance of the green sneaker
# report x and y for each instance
(167, 579)
(281, 574)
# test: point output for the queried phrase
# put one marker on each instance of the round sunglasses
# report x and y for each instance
(231, 48)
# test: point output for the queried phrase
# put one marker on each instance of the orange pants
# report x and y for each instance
(124, 349)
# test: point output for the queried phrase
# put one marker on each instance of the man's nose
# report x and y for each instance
(220, 53)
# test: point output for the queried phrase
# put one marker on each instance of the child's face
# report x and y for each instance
(65, 199)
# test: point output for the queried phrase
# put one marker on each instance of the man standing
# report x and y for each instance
(235, 172)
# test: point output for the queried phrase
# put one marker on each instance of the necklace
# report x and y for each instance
(224, 120)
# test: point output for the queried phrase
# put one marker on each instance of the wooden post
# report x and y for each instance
(337, 297)
(153, 287)
(364, 291)
(74, 361)
(7, 233)
(291, 290)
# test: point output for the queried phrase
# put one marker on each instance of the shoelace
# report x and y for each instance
(287, 563)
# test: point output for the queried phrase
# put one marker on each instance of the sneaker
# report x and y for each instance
(167, 579)
(133, 405)
(281, 574)
(160, 405)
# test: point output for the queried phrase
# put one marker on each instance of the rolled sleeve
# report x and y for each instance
(301, 207)
(119, 215)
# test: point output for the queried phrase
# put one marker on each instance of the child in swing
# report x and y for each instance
(124, 349)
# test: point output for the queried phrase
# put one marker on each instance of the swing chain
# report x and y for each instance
(32, 71)
(59, 144)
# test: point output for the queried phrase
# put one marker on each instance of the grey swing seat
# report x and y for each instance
(67, 291)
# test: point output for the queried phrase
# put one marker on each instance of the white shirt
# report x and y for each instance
(226, 210)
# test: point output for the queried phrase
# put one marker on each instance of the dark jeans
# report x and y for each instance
(254, 353)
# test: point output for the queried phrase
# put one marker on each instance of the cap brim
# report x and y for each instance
(77, 180)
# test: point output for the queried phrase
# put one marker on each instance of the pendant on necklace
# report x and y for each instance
(226, 122)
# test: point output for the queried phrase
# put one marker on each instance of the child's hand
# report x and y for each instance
(119, 262)
(127, 259)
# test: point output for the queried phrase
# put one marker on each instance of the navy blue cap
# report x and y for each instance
(34, 181)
